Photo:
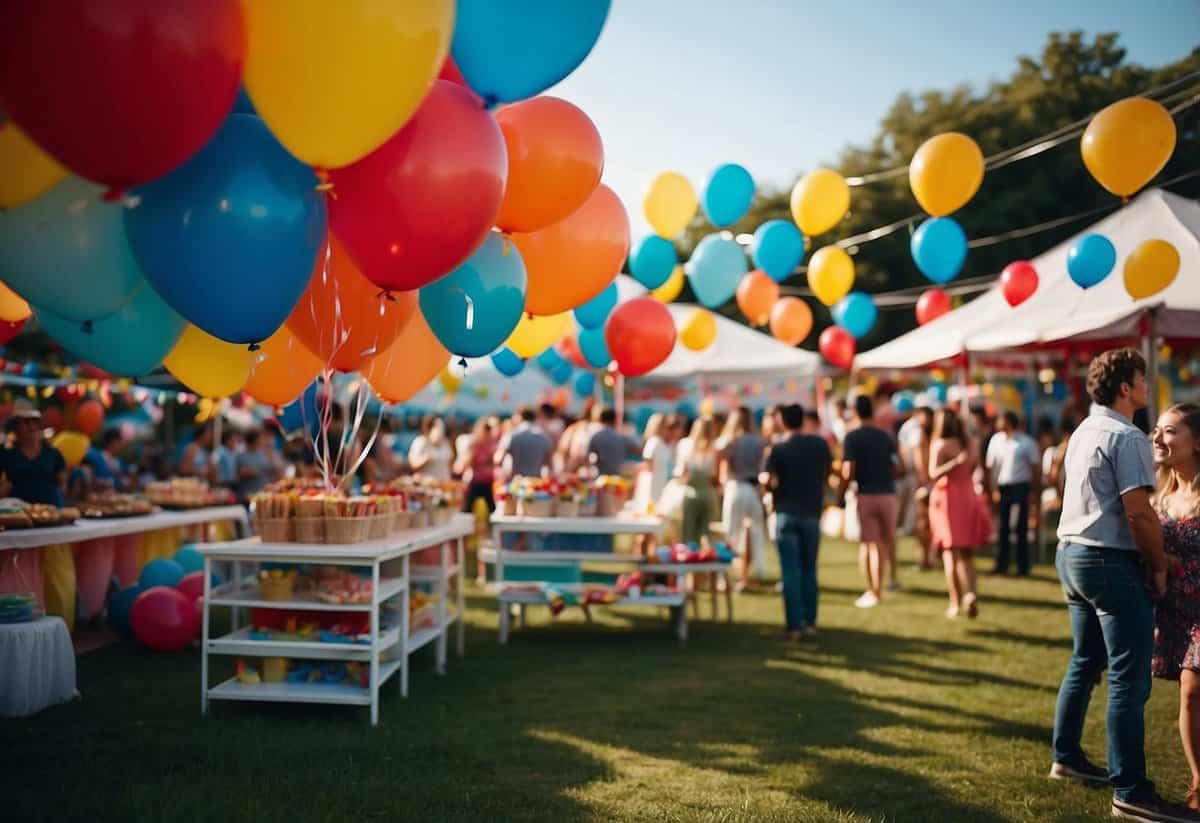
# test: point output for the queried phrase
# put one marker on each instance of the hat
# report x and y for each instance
(25, 410)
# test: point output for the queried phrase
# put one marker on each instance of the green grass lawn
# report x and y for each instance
(891, 714)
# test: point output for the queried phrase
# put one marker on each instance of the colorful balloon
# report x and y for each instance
(777, 249)
(640, 335)
(282, 370)
(727, 194)
(72, 445)
(418, 206)
(364, 69)
(1150, 268)
(698, 331)
(856, 313)
(1128, 143)
(474, 308)
(669, 203)
(931, 305)
(66, 252)
(124, 91)
(575, 259)
(1090, 259)
(534, 334)
(669, 290)
(568, 347)
(830, 274)
(229, 239)
(945, 173)
(939, 248)
(449, 381)
(594, 347)
(791, 320)
(507, 363)
(208, 366)
(715, 268)
(549, 360)
(509, 52)
(555, 157)
(837, 346)
(13, 307)
(652, 261)
(585, 384)
(89, 417)
(1018, 282)
(163, 619)
(756, 295)
(9, 330)
(593, 313)
(820, 200)
(25, 170)
(405, 367)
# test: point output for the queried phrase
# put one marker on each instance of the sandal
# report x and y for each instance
(1193, 799)
(972, 605)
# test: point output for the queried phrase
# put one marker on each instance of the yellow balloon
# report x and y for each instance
(333, 81)
(830, 274)
(946, 172)
(669, 203)
(1164, 393)
(25, 170)
(669, 290)
(534, 334)
(1127, 143)
(819, 201)
(1151, 268)
(13, 308)
(208, 366)
(449, 381)
(699, 330)
(72, 445)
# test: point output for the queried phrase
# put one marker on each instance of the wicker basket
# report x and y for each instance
(339, 530)
(277, 588)
(419, 519)
(442, 516)
(566, 508)
(609, 504)
(535, 508)
(274, 669)
(379, 527)
(274, 529)
(508, 507)
(401, 521)
(309, 529)
(310, 507)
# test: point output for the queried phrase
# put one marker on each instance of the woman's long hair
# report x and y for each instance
(1168, 482)
(702, 436)
(947, 425)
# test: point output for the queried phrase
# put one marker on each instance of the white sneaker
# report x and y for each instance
(867, 600)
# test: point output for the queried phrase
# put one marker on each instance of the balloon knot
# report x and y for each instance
(386, 294)
(529, 315)
(114, 194)
(255, 347)
(462, 361)
(87, 327)
(324, 183)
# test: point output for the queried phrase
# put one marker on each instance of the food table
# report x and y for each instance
(95, 529)
(37, 666)
(388, 649)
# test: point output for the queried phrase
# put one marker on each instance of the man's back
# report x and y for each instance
(800, 465)
(611, 449)
(528, 448)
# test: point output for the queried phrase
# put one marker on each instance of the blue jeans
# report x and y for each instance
(1112, 621)
(797, 539)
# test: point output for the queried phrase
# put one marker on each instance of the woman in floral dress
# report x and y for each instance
(1177, 629)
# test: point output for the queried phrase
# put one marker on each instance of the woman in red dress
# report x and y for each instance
(958, 522)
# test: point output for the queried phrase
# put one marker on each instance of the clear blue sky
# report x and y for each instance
(782, 85)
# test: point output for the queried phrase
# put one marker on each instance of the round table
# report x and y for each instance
(37, 666)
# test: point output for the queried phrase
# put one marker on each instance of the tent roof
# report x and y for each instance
(1061, 310)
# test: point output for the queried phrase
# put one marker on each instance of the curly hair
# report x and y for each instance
(1108, 371)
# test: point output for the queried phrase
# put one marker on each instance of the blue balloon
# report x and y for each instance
(130, 342)
(715, 269)
(594, 348)
(727, 194)
(585, 384)
(937, 393)
(508, 363)
(855, 313)
(561, 374)
(119, 606)
(301, 411)
(31, 370)
(67, 252)
(904, 401)
(1090, 259)
(593, 313)
(514, 50)
(653, 261)
(550, 359)
(160, 572)
(488, 290)
(189, 559)
(242, 104)
(939, 248)
(641, 416)
(229, 238)
(778, 248)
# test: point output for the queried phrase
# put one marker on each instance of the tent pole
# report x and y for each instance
(964, 380)
(1151, 353)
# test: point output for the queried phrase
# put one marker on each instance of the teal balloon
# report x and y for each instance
(550, 360)
(585, 384)
(66, 252)
(1090, 259)
(777, 249)
(727, 194)
(118, 607)
(508, 363)
(130, 342)
(561, 374)
(593, 313)
(855, 313)
(594, 348)
(475, 308)
(160, 572)
(653, 261)
(715, 269)
(189, 559)
(939, 248)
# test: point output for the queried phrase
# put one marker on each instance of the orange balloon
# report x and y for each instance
(89, 417)
(341, 317)
(282, 370)
(791, 320)
(414, 358)
(555, 157)
(575, 259)
(756, 295)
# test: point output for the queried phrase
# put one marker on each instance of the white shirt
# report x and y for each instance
(439, 457)
(658, 454)
(1012, 458)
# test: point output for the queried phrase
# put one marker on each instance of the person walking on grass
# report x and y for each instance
(958, 520)
(870, 459)
(1112, 567)
(1014, 472)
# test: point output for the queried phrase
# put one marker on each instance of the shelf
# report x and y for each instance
(536, 598)
(387, 668)
(241, 643)
(577, 525)
(389, 587)
(422, 637)
(429, 574)
(232, 689)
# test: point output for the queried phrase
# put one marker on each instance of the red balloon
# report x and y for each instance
(568, 347)
(89, 417)
(450, 72)
(419, 205)
(52, 418)
(10, 330)
(640, 335)
(1018, 282)
(121, 91)
(837, 346)
(931, 305)
(164, 619)
(191, 585)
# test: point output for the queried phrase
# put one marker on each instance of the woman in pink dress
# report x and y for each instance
(958, 522)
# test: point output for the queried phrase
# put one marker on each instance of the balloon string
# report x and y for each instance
(325, 184)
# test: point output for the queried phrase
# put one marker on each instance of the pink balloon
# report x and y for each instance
(192, 585)
(163, 619)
